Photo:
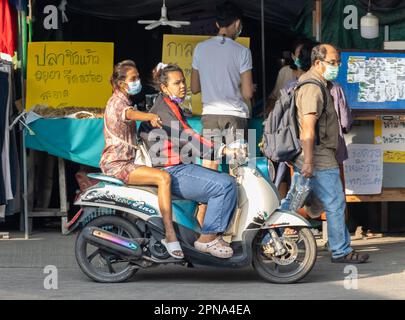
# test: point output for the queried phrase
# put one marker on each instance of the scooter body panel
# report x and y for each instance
(139, 202)
(257, 199)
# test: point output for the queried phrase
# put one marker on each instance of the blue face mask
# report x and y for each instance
(134, 87)
(297, 62)
(331, 73)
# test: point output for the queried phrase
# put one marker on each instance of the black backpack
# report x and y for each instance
(281, 132)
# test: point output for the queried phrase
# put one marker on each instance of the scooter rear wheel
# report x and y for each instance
(100, 265)
(292, 266)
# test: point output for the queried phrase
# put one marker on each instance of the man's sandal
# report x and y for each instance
(352, 257)
(217, 248)
(173, 247)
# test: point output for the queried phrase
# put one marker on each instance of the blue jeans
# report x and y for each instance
(327, 187)
(217, 190)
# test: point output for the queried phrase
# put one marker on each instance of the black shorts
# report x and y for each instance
(229, 127)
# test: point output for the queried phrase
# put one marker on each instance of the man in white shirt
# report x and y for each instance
(222, 72)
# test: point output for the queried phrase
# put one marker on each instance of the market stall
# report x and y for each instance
(81, 140)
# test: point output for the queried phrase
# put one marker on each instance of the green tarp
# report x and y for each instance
(333, 30)
(82, 141)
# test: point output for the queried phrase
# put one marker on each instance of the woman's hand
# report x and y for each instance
(155, 120)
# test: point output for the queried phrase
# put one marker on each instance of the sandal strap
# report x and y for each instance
(173, 246)
(354, 255)
(212, 243)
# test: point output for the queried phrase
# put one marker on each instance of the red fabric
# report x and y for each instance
(185, 125)
(8, 28)
(173, 158)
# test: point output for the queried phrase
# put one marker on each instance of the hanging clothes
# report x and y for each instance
(8, 28)
(9, 167)
(5, 151)
(4, 86)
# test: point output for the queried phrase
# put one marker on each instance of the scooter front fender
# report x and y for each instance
(285, 219)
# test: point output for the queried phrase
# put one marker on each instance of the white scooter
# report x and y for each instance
(121, 229)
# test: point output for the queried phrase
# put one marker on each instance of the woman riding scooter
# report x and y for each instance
(174, 147)
(119, 152)
(122, 229)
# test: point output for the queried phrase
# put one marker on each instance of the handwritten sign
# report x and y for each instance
(61, 74)
(390, 134)
(179, 49)
(364, 169)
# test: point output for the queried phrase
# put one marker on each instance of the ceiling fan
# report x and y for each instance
(164, 21)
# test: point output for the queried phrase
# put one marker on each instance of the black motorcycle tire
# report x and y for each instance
(81, 256)
(308, 263)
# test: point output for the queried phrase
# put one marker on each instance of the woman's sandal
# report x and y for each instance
(352, 257)
(173, 247)
(217, 248)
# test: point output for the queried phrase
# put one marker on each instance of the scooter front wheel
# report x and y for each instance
(294, 264)
(100, 265)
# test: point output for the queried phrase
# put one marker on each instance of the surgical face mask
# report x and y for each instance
(297, 62)
(134, 87)
(331, 72)
(237, 35)
(176, 99)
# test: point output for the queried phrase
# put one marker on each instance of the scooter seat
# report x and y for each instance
(109, 179)
(103, 177)
(152, 189)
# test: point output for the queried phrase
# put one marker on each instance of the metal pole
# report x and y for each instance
(318, 19)
(263, 59)
(22, 37)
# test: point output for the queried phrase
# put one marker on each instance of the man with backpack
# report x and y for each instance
(318, 128)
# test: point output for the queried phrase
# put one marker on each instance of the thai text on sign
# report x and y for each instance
(390, 134)
(364, 169)
(61, 74)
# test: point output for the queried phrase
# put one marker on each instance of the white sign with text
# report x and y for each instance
(364, 169)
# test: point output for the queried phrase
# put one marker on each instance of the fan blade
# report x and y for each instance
(182, 23)
(153, 25)
(146, 21)
(174, 25)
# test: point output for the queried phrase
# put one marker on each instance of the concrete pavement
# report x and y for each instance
(22, 264)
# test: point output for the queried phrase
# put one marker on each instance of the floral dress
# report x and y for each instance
(117, 159)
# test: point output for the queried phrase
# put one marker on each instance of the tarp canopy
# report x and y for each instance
(281, 13)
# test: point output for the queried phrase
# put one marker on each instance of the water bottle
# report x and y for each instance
(301, 191)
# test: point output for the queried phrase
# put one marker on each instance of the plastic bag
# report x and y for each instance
(301, 191)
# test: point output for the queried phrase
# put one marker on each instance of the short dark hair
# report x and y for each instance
(319, 52)
(298, 42)
(305, 55)
(120, 72)
(227, 13)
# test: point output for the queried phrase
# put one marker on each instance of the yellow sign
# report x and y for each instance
(179, 49)
(391, 135)
(61, 74)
